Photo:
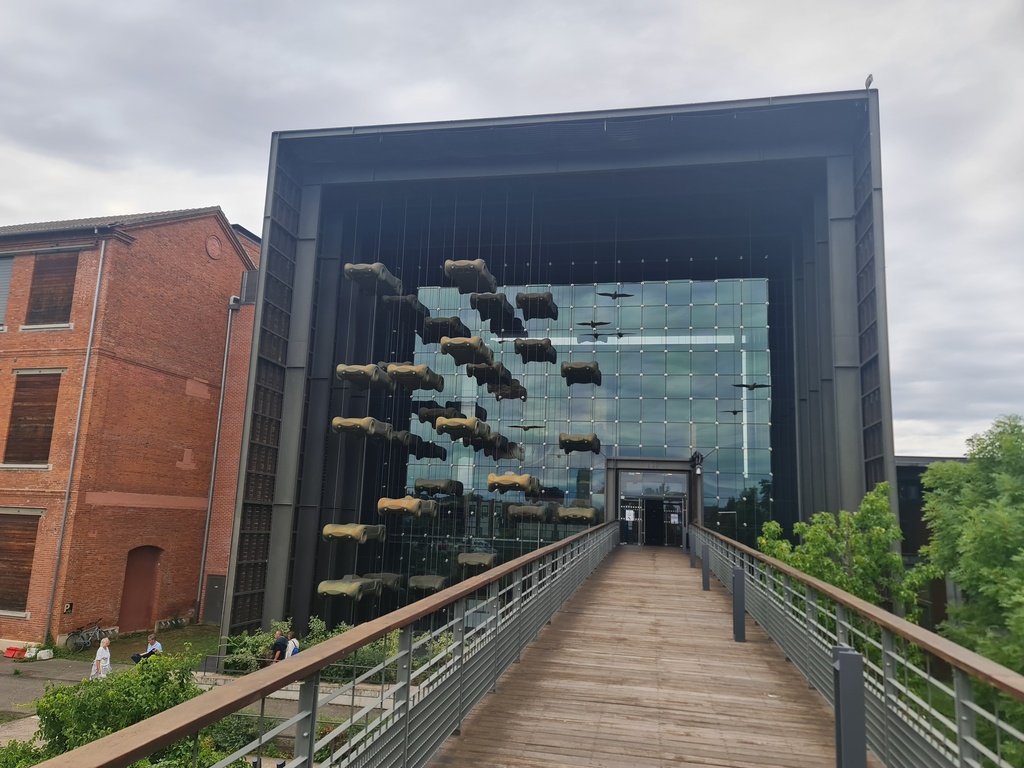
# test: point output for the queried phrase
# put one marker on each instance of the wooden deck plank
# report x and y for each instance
(639, 670)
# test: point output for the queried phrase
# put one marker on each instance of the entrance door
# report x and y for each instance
(655, 522)
(652, 507)
(139, 593)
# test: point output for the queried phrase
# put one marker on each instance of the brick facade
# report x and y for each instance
(144, 454)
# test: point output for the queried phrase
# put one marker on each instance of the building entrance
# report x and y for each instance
(652, 507)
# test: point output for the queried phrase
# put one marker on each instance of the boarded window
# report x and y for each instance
(35, 402)
(17, 548)
(53, 288)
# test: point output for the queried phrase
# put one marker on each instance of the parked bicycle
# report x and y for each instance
(83, 637)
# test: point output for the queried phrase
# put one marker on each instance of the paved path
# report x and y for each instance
(22, 682)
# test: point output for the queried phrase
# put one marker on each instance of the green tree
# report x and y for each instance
(975, 513)
(855, 551)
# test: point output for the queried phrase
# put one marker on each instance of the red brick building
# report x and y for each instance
(113, 341)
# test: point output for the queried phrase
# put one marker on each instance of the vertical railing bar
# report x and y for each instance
(458, 659)
(403, 675)
(259, 743)
(305, 729)
(842, 630)
(890, 702)
(492, 595)
(966, 727)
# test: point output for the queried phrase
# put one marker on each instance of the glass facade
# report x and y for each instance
(684, 366)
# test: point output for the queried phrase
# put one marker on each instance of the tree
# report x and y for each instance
(975, 513)
(855, 551)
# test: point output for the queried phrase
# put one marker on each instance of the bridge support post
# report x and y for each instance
(739, 605)
(848, 692)
(305, 729)
(705, 567)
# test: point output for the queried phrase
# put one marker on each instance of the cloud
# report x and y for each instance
(126, 106)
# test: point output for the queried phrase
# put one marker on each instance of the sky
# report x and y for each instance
(127, 106)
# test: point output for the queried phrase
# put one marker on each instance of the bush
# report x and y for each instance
(73, 715)
(21, 754)
(70, 716)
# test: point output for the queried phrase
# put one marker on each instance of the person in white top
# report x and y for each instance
(293, 645)
(101, 666)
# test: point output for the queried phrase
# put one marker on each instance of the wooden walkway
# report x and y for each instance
(640, 670)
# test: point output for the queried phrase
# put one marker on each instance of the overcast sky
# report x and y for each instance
(127, 106)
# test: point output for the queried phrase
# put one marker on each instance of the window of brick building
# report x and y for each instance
(32, 412)
(17, 548)
(6, 265)
(53, 288)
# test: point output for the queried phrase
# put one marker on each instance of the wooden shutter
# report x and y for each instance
(6, 265)
(35, 402)
(17, 548)
(53, 288)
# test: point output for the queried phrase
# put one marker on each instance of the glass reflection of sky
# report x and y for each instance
(670, 356)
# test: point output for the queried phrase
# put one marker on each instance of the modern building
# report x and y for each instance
(476, 337)
(113, 374)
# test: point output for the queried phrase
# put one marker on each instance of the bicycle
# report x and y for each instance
(81, 638)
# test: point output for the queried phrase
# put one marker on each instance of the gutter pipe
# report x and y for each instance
(74, 444)
(233, 305)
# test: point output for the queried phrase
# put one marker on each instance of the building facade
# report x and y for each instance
(476, 337)
(112, 363)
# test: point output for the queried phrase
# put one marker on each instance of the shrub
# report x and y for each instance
(73, 715)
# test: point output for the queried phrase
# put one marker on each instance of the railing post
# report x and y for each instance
(890, 701)
(842, 626)
(493, 593)
(693, 556)
(739, 605)
(458, 656)
(965, 725)
(705, 567)
(811, 621)
(403, 694)
(517, 602)
(848, 694)
(305, 729)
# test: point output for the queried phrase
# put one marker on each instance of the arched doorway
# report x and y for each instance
(138, 595)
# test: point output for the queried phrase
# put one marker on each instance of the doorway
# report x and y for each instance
(652, 505)
(138, 595)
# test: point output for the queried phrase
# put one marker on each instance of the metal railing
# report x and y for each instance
(928, 701)
(451, 649)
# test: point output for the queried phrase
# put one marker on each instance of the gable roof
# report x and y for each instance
(102, 222)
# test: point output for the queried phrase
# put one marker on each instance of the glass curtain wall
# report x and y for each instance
(684, 366)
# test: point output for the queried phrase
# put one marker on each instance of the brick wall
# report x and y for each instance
(145, 450)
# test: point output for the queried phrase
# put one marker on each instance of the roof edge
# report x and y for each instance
(609, 114)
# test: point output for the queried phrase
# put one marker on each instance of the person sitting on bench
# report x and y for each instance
(153, 647)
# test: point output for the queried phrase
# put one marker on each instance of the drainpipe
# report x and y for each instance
(233, 304)
(74, 444)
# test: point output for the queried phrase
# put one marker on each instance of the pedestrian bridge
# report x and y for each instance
(593, 653)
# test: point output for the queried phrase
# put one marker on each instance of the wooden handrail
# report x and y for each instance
(976, 665)
(137, 741)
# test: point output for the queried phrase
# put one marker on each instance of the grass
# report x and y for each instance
(9, 717)
(204, 639)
